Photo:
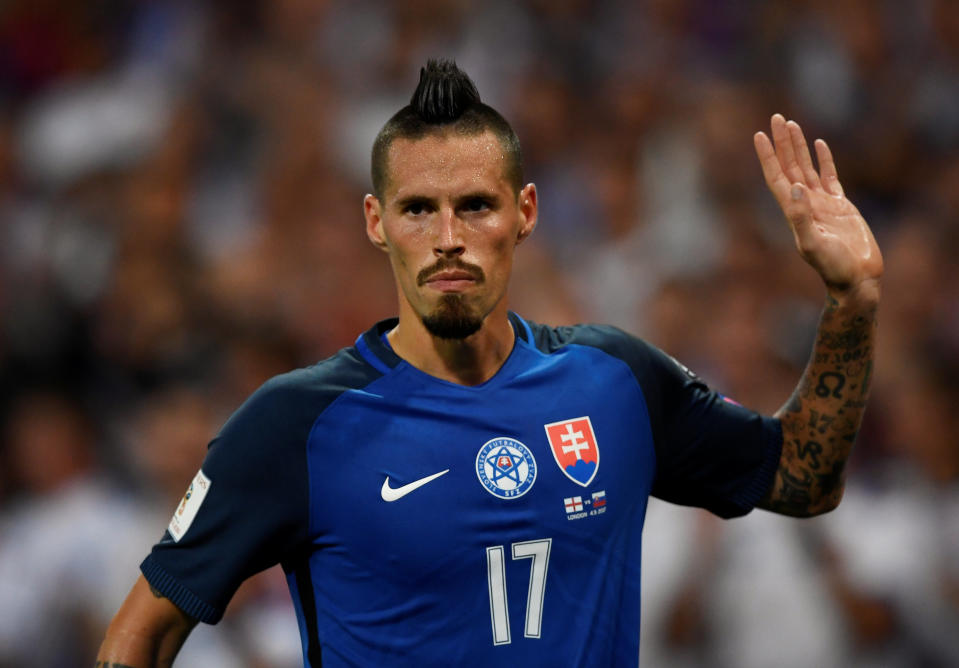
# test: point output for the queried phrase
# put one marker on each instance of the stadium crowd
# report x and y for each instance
(180, 219)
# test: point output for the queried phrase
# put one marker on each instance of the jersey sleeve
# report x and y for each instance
(711, 452)
(247, 509)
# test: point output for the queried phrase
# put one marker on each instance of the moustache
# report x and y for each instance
(475, 272)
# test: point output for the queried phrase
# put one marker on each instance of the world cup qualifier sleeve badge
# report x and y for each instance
(505, 467)
(574, 447)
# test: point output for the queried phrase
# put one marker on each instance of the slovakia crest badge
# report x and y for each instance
(574, 448)
(505, 467)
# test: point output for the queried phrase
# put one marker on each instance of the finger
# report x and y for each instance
(784, 149)
(801, 149)
(799, 215)
(772, 169)
(793, 198)
(827, 168)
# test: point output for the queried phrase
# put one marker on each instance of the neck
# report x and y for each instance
(468, 361)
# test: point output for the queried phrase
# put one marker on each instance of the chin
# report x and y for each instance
(452, 319)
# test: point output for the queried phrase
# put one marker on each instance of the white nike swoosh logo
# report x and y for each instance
(390, 494)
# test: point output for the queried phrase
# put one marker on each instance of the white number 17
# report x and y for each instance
(538, 551)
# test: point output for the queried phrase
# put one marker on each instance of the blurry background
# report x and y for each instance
(180, 219)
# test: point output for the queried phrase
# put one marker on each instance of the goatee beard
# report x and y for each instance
(452, 319)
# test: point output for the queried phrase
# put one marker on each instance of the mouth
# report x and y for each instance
(451, 280)
(449, 277)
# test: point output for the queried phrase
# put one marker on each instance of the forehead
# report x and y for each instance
(444, 163)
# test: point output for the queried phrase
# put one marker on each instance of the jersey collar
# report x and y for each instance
(378, 354)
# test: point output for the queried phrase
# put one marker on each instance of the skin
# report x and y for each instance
(448, 202)
(148, 630)
(821, 419)
(442, 204)
(448, 216)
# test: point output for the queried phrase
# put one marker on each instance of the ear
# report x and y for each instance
(528, 212)
(372, 211)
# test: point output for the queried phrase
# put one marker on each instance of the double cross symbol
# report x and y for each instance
(575, 444)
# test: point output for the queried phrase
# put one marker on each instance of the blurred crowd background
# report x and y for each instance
(180, 219)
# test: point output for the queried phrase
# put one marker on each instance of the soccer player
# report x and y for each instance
(464, 487)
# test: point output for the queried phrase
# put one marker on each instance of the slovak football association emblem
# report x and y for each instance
(505, 467)
(574, 448)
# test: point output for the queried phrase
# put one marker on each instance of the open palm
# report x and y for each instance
(830, 233)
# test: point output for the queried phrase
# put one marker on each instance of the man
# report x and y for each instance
(462, 487)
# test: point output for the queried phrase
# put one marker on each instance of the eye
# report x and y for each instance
(476, 204)
(415, 208)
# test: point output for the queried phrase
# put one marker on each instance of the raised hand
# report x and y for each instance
(830, 233)
(821, 419)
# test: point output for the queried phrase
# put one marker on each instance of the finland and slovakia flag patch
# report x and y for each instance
(574, 448)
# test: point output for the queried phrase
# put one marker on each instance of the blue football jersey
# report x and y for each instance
(425, 523)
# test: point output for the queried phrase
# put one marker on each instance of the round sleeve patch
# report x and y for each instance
(189, 505)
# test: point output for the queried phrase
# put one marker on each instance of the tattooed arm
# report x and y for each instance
(821, 419)
(147, 631)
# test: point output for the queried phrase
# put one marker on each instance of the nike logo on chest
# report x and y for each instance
(394, 493)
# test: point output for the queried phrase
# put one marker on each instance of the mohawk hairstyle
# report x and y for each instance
(445, 100)
(444, 92)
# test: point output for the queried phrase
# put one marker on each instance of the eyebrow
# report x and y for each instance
(488, 195)
(413, 199)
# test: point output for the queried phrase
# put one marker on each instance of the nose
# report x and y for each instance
(448, 241)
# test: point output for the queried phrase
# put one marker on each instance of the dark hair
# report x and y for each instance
(445, 100)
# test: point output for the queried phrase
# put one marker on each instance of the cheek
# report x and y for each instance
(405, 247)
(502, 243)
(501, 254)
(402, 267)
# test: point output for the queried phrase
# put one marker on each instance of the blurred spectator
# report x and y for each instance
(168, 442)
(65, 550)
(71, 544)
(180, 189)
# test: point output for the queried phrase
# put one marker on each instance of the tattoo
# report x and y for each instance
(794, 403)
(156, 592)
(821, 419)
(795, 491)
(824, 389)
(845, 340)
(819, 423)
(831, 482)
(812, 450)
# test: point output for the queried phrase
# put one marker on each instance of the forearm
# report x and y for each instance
(821, 419)
(147, 632)
(128, 649)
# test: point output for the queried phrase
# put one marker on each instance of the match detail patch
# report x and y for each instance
(189, 505)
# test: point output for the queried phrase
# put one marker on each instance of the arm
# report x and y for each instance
(821, 419)
(147, 631)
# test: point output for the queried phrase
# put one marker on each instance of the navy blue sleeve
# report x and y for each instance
(710, 452)
(255, 512)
